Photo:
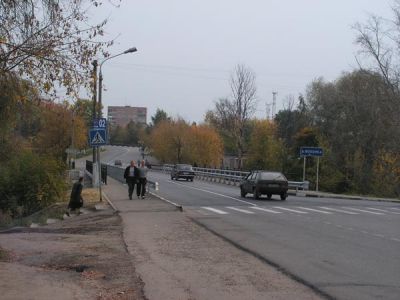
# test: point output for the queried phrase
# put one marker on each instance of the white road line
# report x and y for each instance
(394, 208)
(339, 210)
(396, 240)
(379, 235)
(210, 192)
(316, 210)
(221, 212)
(240, 210)
(291, 210)
(385, 211)
(114, 157)
(266, 210)
(362, 210)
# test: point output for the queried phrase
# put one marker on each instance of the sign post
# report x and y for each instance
(311, 151)
(97, 138)
(316, 186)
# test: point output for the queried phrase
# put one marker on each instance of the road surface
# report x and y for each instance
(346, 249)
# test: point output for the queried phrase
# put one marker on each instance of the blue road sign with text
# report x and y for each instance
(97, 137)
(100, 123)
(311, 151)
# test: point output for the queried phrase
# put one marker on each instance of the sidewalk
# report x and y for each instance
(177, 259)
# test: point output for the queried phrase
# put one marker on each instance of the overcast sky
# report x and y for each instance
(187, 49)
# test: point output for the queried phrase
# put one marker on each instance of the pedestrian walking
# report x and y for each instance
(131, 176)
(142, 180)
(76, 200)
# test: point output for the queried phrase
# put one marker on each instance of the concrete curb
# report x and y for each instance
(179, 207)
(109, 202)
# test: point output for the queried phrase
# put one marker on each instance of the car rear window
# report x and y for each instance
(272, 176)
(185, 167)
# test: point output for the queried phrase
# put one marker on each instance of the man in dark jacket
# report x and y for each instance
(130, 175)
(76, 200)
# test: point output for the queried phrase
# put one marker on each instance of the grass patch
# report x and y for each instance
(56, 211)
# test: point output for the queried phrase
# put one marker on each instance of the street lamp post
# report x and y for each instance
(94, 101)
(130, 50)
(99, 113)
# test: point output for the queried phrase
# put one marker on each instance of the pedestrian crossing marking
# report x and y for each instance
(240, 210)
(394, 208)
(366, 211)
(291, 210)
(295, 209)
(266, 210)
(340, 210)
(221, 212)
(384, 211)
(315, 210)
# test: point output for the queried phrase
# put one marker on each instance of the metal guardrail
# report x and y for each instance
(117, 173)
(231, 177)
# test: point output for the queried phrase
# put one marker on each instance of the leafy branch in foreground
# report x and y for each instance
(50, 41)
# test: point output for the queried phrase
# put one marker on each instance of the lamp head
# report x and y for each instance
(130, 50)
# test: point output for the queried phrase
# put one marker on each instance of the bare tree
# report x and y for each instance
(243, 105)
(379, 41)
(232, 115)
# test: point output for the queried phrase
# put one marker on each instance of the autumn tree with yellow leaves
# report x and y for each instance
(265, 149)
(175, 141)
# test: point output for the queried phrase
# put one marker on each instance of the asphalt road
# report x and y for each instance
(346, 249)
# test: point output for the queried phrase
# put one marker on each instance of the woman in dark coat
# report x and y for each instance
(76, 200)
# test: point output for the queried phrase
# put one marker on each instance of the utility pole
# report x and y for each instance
(274, 104)
(94, 101)
(268, 110)
(99, 115)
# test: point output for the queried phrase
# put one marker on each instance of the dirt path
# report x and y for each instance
(83, 257)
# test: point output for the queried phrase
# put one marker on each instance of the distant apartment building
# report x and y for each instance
(122, 115)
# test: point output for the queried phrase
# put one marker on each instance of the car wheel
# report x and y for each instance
(242, 193)
(172, 177)
(256, 194)
(269, 196)
(191, 179)
(283, 196)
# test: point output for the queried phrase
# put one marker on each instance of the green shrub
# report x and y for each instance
(29, 182)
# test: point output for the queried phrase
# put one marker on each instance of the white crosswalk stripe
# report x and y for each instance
(385, 211)
(300, 210)
(218, 211)
(363, 210)
(339, 210)
(315, 210)
(394, 208)
(266, 210)
(240, 210)
(291, 210)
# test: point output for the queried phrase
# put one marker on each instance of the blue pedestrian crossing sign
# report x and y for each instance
(97, 137)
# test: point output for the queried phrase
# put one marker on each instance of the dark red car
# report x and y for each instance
(182, 171)
(264, 183)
